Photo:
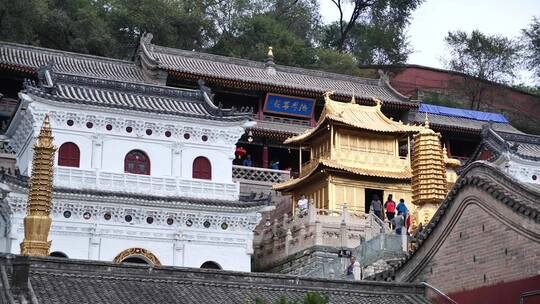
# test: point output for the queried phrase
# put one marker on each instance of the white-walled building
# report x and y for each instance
(142, 173)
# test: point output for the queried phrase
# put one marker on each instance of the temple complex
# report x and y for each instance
(181, 158)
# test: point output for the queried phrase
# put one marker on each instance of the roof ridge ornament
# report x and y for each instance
(270, 65)
(426, 121)
(353, 98)
(327, 95)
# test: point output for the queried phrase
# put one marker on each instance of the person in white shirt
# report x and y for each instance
(302, 203)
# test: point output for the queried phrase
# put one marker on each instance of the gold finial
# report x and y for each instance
(426, 122)
(270, 53)
(37, 222)
(353, 98)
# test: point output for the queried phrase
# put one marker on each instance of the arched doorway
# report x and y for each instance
(58, 254)
(137, 255)
(210, 265)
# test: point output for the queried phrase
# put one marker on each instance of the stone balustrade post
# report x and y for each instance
(312, 213)
(288, 240)
(345, 215)
(318, 233)
(343, 234)
(404, 239)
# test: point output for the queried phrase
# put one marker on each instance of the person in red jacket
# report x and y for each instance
(390, 207)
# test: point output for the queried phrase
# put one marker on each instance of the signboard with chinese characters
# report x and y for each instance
(288, 105)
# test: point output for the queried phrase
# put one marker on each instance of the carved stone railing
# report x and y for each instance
(290, 234)
(144, 184)
(269, 176)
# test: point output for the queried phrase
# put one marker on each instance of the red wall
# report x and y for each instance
(503, 293)
(512, 102)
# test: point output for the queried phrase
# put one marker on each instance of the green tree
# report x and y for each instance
(531, 43)
(20, 19)
(174, 23)
(375, 33)
(336, 62)
(481, 57)
(260, 32)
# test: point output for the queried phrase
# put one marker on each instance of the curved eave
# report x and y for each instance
(299, 139)
(335, 166)
(283, 89)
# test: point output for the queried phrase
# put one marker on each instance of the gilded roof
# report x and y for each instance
(369, 118)
(403, 174)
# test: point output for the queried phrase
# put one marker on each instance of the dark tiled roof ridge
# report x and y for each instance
(70, 53)
(125, 86)
(512, 200)
(261, 65)
(167, 273)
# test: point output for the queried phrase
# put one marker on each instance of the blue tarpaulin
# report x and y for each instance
(454, 112)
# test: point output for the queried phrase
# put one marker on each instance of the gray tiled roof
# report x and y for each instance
(450, 123)
(253, 72)
(56, 280)
(526, 146)
(138, 97)
(29, 57)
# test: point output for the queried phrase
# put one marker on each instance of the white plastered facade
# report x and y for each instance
(199, 233)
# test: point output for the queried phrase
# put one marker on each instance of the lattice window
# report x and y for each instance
(137, 162)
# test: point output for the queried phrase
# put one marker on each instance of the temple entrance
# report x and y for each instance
(210, 265)
(369, 193)
(138, 256)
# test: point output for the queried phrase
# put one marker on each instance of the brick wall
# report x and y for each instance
(484, 248)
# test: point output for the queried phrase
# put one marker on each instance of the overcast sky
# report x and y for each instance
(434, 18)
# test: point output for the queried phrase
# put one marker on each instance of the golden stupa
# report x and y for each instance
(37, 222)
(429, 184)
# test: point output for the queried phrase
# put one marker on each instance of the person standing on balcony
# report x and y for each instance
(274, 165)
(353, 270)
(302, 204)
(248, 162)
(390, 207)
(377, 206)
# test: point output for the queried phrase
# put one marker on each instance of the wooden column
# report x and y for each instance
(265, 156)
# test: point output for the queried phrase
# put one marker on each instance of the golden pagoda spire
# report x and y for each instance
(428, 174)
(270, 52)
(37, 222)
